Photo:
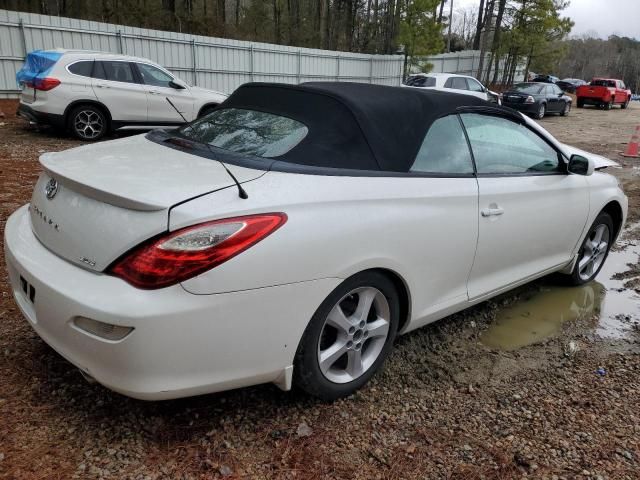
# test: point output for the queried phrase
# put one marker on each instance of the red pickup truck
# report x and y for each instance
(603, 92)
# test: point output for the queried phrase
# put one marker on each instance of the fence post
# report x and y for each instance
(194, 68)
(299, 67)
(23, 37)
(338, 68)
(120, 47)
(370, 69)
(251, 62)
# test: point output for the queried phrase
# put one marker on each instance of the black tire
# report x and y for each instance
(625, 104)
(580, 103)
(88, 123)
(566, 109)
(574, 278)
(542, 111)
(608, 105)
(307, 373)
(207, 110)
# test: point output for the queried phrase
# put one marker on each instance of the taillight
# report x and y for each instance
(44, 84)
(529, 99)
(177, 256)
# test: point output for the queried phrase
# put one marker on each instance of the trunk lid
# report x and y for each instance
(514, 97)
(95, 202)
(593, 91)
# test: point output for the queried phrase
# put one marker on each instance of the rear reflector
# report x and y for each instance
(104, 330)
(177, 256)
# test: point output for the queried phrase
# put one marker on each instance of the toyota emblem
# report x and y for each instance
(51, 188)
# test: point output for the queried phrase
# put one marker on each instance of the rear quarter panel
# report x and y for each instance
(423, 229)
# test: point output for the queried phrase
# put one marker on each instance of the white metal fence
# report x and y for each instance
(465, 62)
(215, 63)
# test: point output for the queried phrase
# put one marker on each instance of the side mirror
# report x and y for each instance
(177, 85)
(561, 94)
(580, 165)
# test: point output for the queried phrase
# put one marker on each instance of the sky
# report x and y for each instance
(600, 17)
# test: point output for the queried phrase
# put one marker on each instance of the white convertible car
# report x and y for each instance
(293, 233)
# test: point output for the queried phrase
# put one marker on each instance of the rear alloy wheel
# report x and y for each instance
(88, 123)
(567, 108)
(349, 337)
(580, 103)
(594, 251)
(608, 105)
(542, 110)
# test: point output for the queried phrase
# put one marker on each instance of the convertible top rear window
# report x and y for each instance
(247, 131)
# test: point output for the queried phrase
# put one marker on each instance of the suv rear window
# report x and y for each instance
(247, 131)
(114, 71)
(82, 68)
(421, 81)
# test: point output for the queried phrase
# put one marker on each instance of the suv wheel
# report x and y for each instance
(349, 337)
(567, 108)
(88, 123)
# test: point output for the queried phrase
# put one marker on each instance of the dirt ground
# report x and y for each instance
(445, 407)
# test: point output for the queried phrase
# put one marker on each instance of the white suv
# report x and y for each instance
(452, 82)
(91, 93)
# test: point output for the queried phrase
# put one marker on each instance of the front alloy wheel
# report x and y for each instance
(349, 337)
(594, 250)
(566, 109)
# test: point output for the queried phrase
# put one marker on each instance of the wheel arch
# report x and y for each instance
(614, 209)
(404, 294)
(95, 103)
(207, 106)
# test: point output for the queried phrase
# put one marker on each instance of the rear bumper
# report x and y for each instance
(593, 100)
(182, 344)
(42, 118)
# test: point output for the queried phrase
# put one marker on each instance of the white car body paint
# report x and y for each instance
(441, 80)
(240, 323)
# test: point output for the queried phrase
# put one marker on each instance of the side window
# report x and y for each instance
(458, 83)
(557, 90)
(444, 149)
(83, 68)
(474, 85)
(501, 146)
(153, 76)
(115, 71)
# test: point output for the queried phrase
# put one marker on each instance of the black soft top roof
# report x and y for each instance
(355, 125)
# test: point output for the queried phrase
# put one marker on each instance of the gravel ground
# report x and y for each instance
(445, 407)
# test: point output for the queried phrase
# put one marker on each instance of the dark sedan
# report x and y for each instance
(570, 84)
(537, 99)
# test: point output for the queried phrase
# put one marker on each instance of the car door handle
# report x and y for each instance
(492, 212)
(101, 85)
(154, 92)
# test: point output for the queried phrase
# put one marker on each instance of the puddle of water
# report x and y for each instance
(542, 314)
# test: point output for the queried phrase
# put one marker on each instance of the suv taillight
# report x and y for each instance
(44, 84)
(177, 256)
